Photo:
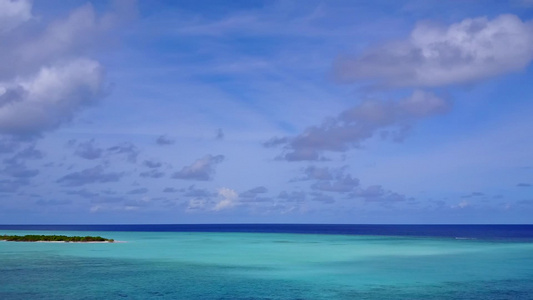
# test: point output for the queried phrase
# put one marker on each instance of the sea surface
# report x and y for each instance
(257, 261)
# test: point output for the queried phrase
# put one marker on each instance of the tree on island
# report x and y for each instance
(53, 238)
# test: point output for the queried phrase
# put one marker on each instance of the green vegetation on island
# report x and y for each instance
(53, 238)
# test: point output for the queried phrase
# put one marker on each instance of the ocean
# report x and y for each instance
(271, 261)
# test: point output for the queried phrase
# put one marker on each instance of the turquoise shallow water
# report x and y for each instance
(194, 265)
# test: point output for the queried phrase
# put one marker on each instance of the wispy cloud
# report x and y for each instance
(88, 176)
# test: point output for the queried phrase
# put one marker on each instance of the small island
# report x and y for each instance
(54, 238)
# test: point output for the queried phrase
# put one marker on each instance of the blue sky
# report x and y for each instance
(266, 111)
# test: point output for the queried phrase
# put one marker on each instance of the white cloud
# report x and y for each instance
(14, 13)
(46, 75)
(468, 51)
(49, 98)
(461, 205)
(95, 208)
(229, 199)
(76, 35)
(62, 37)
(26, 52)
(196, 204)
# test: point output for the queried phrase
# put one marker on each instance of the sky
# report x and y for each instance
(379, 112)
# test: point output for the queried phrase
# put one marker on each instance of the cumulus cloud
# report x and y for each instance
(353, 126)
(254, 195)
(89, 176)
(434, 55)
(340, 184)
(525, 202)
(202, 169)
(52, 202)
(229, 198)
(107, 199)
(170, 190)
(154, 173)
(326, 199)
(13, 14)
(473, 194)
(193, 192)
(376, 193)
(18, 170)
(138, 191)
(327, 181)
(276, 141)
(463, 204)
(293, 196)
(8, 145)
(83, 193)
(46, 73)
(30, 152)
(225, 198)
(51, 97)
(164, 140)
(200, 199)
(219, 134)
(128, 149)
(196, 204)
(152, 164)
(88, 150)
(15, 166)
(319, 173)
(12, 186)
(74, 36)
(136, 204)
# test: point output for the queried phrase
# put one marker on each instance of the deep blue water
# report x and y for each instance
(451, 231)
(274, 262)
